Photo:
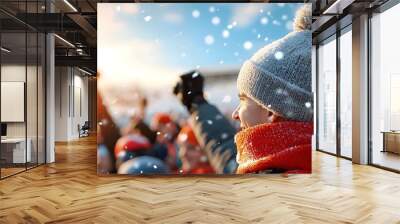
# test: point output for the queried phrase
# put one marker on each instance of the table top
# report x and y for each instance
(13, 140)
(391, 132)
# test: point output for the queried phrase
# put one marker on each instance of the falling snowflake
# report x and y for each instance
(183, 137)
(261, 10)
(224, 136)
(276, 22)
(215, 20)
(308, 104)
(221, 62)
(141, 172)
(218, 117)
(104, 121)
(258, 36)
(227, 99)
(197, 67)
(147, 18)
(264, 20)
(289, 101)
(230, 26)
(211, 9)
(158, 133)
(195, 74)
(266, 39)
(234, 23)
(289, 25)
(209, 39)
(155, 166)
(225, 44)
(196, 118)
(203, 159)
(225, 33)
(279, 55)
(269, 106)
(284, 17)
(180, 171)
(281, 91)
(196, 13)
(210, 122)
(247, 45)
(189, 92)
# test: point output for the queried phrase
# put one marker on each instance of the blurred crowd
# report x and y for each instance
(167, 145)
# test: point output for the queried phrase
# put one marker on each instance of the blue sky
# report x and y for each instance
(150, 39)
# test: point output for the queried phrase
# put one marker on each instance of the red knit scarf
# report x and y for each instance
(282, 145)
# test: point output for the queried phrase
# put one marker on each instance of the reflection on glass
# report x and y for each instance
(327, 96)
(385, 89)
(14, 151)
(346, 94)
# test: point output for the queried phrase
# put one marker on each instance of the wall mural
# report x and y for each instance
(204, 88)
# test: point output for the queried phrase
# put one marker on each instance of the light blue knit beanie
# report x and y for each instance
(278, 76)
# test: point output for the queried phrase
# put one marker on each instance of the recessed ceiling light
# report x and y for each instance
(64, 40)
(70, 5)
(5, 50)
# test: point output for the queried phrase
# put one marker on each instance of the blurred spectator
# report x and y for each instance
(194, 160)
(167, 131)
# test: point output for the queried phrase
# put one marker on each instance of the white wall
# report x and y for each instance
(70, 84)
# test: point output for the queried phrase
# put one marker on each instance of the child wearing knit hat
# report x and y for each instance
(275, 110)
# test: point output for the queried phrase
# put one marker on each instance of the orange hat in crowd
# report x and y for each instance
(162, 118)
(187, 135)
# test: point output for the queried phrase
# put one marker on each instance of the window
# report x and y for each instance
(327, 96)
(385, 89)
(346, 93)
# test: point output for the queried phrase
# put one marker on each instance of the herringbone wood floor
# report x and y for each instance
(69, 191)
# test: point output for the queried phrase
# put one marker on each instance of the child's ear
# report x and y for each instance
(273, 117)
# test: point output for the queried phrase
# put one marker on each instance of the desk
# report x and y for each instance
(391, 141)
(16, 148)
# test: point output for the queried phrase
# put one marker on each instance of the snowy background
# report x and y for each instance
(143, 48)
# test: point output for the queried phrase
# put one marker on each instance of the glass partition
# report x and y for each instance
(22, 77)
(14, 153)
(327, 95)
(346, 93)
(385, 89)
